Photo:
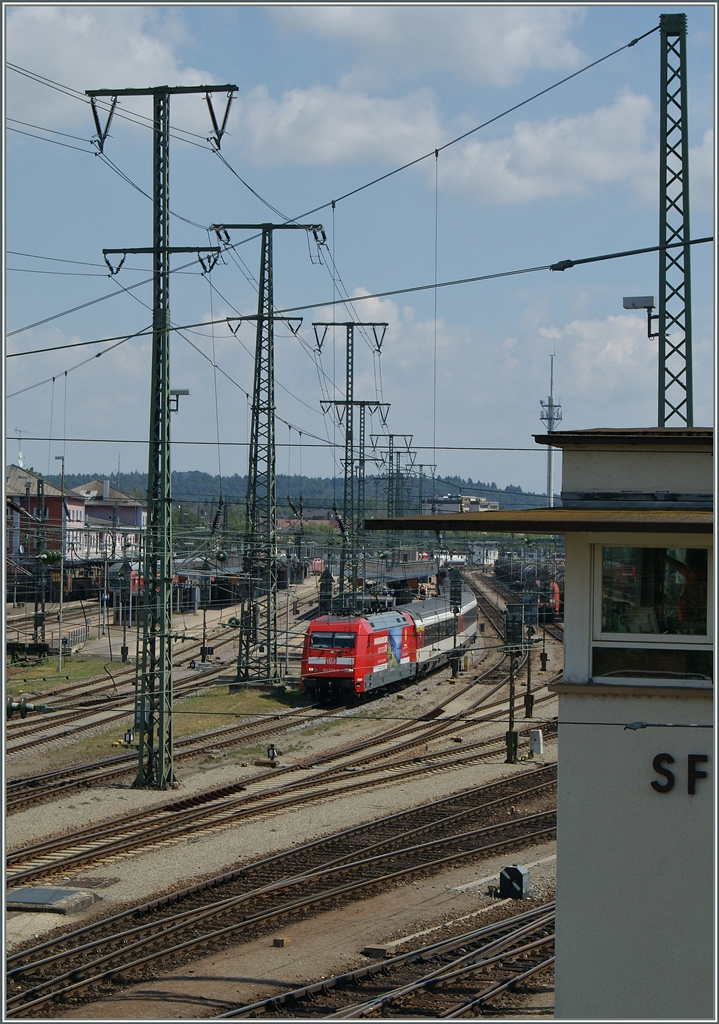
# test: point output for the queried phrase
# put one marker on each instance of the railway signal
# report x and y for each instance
(514, 622)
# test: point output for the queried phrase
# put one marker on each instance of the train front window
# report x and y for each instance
(323, 640)
(327, 641)
(345, 640)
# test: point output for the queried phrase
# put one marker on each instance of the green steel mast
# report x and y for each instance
(675, 324)
(153, 687)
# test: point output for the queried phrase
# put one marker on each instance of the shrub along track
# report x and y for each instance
(242, 904)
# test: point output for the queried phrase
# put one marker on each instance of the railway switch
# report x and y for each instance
(514, 883)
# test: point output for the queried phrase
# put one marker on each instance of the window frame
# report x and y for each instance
(648, 641)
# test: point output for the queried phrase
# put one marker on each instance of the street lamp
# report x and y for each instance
(61, 458)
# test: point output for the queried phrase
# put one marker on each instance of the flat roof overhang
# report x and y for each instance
(557, 520)
(640, 439)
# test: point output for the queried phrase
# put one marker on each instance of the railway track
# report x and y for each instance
(22, 792)
(494, 614)
(213, 810)
(242, 904)
(465, 973)
(99, 691)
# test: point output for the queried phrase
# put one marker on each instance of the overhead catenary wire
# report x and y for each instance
(138, 118)
(325, 444)
(464, 135)
(562, 265)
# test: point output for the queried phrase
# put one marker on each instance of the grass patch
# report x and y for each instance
(39, 678)
(194, 715)
(214, 710)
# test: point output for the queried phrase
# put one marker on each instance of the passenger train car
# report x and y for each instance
(363, 654)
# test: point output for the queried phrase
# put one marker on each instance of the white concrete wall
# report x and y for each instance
(628, 470)
(635, 868)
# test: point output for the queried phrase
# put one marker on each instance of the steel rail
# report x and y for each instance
(169, 924)
(15, 1003)
(155, 825)
(229, 811)
(424, 953)
(459, 1011)
(357, 830)
(447, 972)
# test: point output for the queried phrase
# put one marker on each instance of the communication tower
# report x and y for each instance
(551, 414)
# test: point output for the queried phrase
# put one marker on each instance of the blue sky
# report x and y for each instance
(328, 99)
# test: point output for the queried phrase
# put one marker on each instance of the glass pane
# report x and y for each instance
(323, 640)
(685, 664)
(345, 640)
(654, 590)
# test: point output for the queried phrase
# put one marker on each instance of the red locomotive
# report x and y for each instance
(378, 652)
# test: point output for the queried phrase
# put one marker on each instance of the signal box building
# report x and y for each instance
(635, 852)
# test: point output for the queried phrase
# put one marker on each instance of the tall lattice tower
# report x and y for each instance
(675, 322)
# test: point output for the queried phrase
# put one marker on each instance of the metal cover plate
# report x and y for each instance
(39, 896)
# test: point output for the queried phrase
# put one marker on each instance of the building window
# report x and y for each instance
(654, 590)
(652, 614)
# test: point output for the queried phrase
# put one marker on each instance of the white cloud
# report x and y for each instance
(478, 43)
(322, 125)
(701, 173)
(567, 156)
(609, 368)
(93, 48)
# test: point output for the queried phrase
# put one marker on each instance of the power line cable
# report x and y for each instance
(92, 302)
(55, 259)
(131, 115)
(562, 265)
(40, 128)
(452, 142)
(491, 120)
(56, 273)
(84, 362)
(324, 443)
(55, 142)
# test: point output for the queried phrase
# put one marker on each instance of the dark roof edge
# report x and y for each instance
(557, 520)
(615, 437)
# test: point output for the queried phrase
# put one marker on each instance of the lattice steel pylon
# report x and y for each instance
(353, 507)
(675, 325)
(153, 685)
(258, 659)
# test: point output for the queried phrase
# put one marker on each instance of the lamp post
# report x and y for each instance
(61, 459)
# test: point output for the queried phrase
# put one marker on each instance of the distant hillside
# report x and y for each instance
(196, 487)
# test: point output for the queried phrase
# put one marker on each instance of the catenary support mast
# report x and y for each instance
(153, 688)
(353, 509)
(675, 324)
(258, 659)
